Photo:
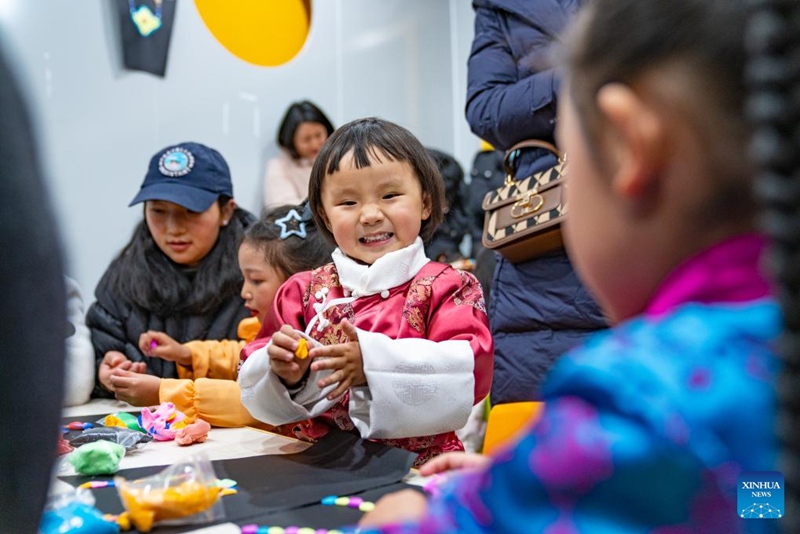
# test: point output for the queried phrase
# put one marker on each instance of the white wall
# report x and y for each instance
(98, 124)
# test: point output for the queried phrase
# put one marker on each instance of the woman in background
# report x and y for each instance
(303, 130)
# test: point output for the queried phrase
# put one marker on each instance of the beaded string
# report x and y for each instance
(357, 503)
(256, 529)
(350, 502)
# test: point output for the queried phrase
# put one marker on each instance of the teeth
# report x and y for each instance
(374, 238)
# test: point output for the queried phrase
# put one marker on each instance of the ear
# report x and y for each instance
(226, 212)
(426, 206)
(638, 133)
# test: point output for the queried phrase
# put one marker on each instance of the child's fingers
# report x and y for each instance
(280, 354)
(120, 381)
(343, 386)
(160, 337)
(285, 341)
(326, 362)
(114, 358)
(333, 378)
(138, 367)
(349, 330)
(453, 461)
(121, 372)
(144, 343)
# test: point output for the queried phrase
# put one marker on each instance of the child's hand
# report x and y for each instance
(282, 359)
(138, 389)
(344, 359)
(451, 461)
(116, 360)
(160, 345)
(403, 506)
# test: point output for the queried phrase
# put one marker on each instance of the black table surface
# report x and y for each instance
(286, 490)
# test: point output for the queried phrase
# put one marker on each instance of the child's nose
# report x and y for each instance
(371, 214)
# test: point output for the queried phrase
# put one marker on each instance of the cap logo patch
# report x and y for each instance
(176, 162)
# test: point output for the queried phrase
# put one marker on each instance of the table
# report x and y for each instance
(222, 443)
(244, 453)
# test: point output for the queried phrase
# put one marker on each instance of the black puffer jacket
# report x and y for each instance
(116, 322)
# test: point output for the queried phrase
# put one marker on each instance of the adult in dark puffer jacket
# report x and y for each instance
(538, 309)
(178, 274)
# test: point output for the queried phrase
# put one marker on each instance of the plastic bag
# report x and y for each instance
(73, 512)
(130, 439)
(122, 420)
(184, 493)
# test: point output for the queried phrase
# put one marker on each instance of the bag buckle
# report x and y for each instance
(530, 203)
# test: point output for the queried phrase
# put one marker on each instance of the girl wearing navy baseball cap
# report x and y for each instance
(178, 273)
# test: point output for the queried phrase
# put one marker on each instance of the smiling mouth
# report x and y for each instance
(375, 238)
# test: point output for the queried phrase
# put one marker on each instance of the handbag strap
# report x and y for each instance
(511, 155)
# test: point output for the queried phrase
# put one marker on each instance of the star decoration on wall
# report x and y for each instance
(292, 224)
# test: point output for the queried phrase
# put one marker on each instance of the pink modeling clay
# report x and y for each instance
(63, 446)
(196, 432)
(163, 422)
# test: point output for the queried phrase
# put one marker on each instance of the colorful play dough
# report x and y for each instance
(302, 349)
(97, 458)
(149, 504)
(124, 420)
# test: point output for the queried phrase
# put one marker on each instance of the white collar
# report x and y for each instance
(388, 271)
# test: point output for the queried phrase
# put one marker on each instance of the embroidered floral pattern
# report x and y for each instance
(417, 304)
(327, 277)
(339, 413)
(427, 446)
(469, 293)
(333, 333)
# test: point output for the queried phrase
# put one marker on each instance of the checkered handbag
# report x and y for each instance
(523, 218)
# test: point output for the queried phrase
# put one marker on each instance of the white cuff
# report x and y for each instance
(417, 387)
(267, 398)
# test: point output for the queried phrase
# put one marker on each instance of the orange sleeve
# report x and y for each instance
(217, 402)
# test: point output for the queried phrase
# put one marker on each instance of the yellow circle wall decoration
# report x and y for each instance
(262, 32)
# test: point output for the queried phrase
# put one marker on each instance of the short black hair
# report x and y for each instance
(297, 113)
(703, 42)
(452, 176)
(369, 139)
(292, 254)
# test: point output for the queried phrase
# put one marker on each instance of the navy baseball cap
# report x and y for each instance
(188, 174)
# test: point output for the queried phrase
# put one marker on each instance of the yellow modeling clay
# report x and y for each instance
(150, 505)
(302, 349)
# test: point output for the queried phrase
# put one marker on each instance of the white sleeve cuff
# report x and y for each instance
(417, 387)
(267, 398)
